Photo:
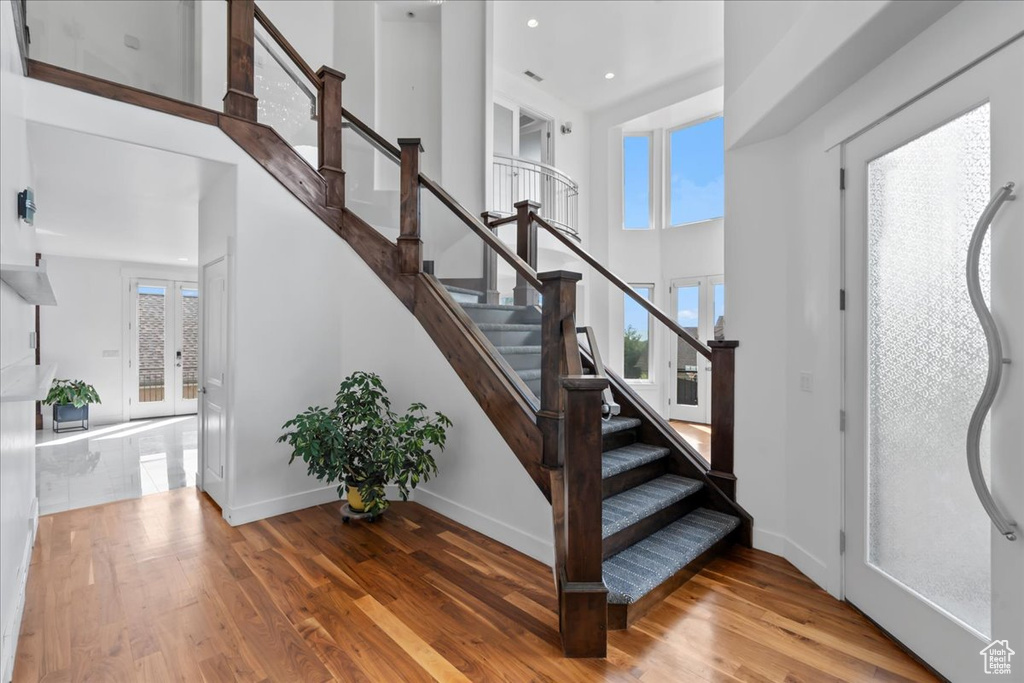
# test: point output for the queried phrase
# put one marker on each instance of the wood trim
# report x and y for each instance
(279, 38)
(634, 477)
(122, 93)
(623, 616)
(559, 304)
(410, 246)
(21, 30)
(526, 249)
(626, 289)
(723, 396)
(240, 99)
(329, 126)
(370, 133)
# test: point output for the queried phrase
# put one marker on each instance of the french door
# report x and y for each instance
(924, 203)
(699, 305)
(164, 355)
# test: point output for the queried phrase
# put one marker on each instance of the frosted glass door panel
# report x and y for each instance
(927, 362)
(688, 317)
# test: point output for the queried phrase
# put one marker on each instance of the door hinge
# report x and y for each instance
(842, 542)
(842, 299)
(842, 420)
(842, 179)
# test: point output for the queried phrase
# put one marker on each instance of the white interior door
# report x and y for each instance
(213, 374)
(699, 305)
(164, 332)
(923, 558)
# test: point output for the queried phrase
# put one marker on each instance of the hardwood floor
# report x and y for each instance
(161, 588)
(697, 435)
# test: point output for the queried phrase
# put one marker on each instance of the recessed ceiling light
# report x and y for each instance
(609, 76)
(533, 23)
(183, 258)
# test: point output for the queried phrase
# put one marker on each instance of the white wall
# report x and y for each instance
(782, 263)
(17, 320)
(91, 319)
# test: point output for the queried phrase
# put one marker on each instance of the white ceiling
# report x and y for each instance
(643, 42)
(103, 198)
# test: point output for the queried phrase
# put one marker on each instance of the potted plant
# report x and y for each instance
(362, 444)
(70, 399)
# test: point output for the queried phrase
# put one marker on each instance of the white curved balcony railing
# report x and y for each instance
(558, 195)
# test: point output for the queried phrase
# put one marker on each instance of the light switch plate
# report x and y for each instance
(806, 381)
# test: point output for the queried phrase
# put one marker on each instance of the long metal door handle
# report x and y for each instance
(1006, 526)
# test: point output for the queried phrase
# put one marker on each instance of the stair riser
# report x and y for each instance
(463, 298)
(513, 337)
(617, 440)
(534, 386)
(621, 540)
(503, 316)
(523, 361)
(634, 477)
(623, 616)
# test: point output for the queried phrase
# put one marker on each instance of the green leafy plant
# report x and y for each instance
(71, 391)
(361, 442)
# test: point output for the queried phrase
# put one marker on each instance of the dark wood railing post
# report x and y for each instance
(723, 396)
(491, 294)
(559, 302)
(410, 245)
(329, 150)
(526, 249)
(583, 597)
(240, 100)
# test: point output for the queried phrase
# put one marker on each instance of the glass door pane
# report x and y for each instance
(927, 363)
(151, 321)
(688, 317)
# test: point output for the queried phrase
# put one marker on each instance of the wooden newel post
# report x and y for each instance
(240, 100)
(410, 245)
(723, 408)
(583, 597)
(329, 152)
(559, 289)
(526, 249)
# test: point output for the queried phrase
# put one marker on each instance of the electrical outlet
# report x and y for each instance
(806, 381)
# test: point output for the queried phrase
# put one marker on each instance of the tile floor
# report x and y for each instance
(115, 462)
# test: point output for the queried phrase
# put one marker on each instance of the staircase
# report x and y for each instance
(636, 511)
(655, 531)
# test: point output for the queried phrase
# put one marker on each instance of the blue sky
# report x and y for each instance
(697, 175)
(687, 308)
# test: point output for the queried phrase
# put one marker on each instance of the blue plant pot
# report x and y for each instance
(68, 413)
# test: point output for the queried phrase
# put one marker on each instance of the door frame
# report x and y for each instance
(701, 413)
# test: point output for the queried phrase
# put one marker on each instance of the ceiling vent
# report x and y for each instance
(533, 76)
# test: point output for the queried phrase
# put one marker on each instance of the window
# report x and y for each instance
(697, 172)
(636, 348)
(636, 182)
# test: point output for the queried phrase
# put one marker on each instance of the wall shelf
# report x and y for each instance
(26, 382)
(30, 282)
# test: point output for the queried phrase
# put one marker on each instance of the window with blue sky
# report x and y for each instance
(697, 172)
(636, 182)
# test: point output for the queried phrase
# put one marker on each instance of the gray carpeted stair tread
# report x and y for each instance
(497, 307)
(509, 327)
(632, 505)
(506, 350)
(618, 424)
(629, 457)
(529, 374)
(462, 290)
(637, 570)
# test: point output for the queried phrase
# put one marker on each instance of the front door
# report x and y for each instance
(213, 389)
(699, 305)
(924, 558)
(164, 358)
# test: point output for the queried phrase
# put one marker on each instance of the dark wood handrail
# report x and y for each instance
(370, 135)
(481, 230)
(502, 221)
(621, 284)
(292, 53)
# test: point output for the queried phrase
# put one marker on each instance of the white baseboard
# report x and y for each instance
(539, 549)
(808, 564)
(253, 512)
(769, 541)
(11, 630)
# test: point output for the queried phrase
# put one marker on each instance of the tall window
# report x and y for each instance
(636, 182)
(636, 348)
(697, 172)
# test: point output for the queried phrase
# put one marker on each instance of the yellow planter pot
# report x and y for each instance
(355, 501)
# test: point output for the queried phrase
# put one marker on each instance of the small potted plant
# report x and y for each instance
(70, 399)
(363, 445)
